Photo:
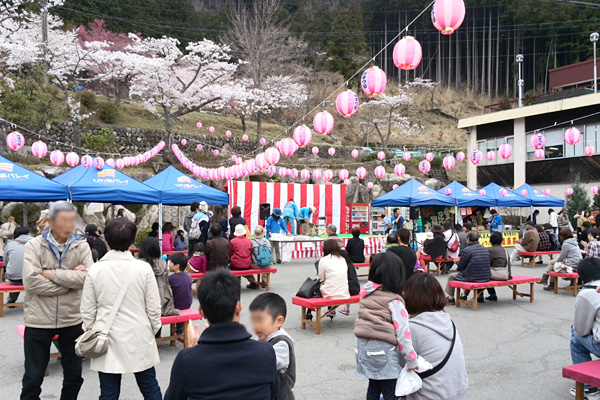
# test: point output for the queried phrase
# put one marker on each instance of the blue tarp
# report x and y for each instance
(20, 184)
(465, 197)
(413, 193)
(177, 188)
(511, 199)
(107, 185)
(538, 198)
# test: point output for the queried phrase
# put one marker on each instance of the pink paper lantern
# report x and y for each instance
(448, 191)
(327, 175)
(272, 155)
(538, 141)
(72, 159)
(331, 151)
(399, 169)
(379, 171)
(216, 152)
(233, 158)
(305, 174)
(199, 147)
(211, 129)
(502, 192)
(347, 182)
(244, 137)
(546, 192)
(373, 81)
(429, 157)
(370, 185)
(87, 161)
(251, 165)
(569, 191)
(183, 142)
(57, 157)
(424, 166)
(524, 192)
(110, 162)
(505, 150)
(287, 146)
(395, 186)
(347, 103)
(199, 125)
(293, 173)
(539, 154)
(315, 150)
(449, 162)
(361, 172)
(238, 160)
(15, 140)
(261, 162)
(572, 136)
(120, 163)
(381, 155)
(407, 53)
(476, 157)
(98, 162)
(491, 155)
(589, 150)
(460, 156)
(406, 156)
(283, 171)
(482, 192)
(447, 15)
(323, 122)
(343, 174)
(262, 141)
(316, 174)
(354, 153)
(39, 149)
(302, 135)
(271, 170)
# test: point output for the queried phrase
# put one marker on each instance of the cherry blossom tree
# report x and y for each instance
(173, 83)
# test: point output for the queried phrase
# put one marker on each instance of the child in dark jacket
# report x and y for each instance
(179, 241)
(268, 312)
(181, 285)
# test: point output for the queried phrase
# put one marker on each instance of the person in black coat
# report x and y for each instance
(402, 250)
(95, 241)
(225, 363)
(356, 247)
(473, 266)
(434, 248)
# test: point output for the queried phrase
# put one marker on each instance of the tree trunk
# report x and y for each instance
(483, 55)
(497, 52)
(458, 79)
(508, 64)
(489, 61)
(258, 125)
(449, 60)
(468, 61)
(438, 63)
(475, 61)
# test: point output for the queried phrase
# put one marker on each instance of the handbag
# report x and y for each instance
(455, 245)
(309, 289)
(94, 343)
(500, 274)
(438, 367)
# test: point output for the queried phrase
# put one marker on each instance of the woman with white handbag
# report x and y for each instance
(120, 308)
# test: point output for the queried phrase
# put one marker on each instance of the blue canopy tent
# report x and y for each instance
(20, 184)
(413, 193)
(178, 189)
(510, 199)
(465, 197)
(538, 199)
(106, 185)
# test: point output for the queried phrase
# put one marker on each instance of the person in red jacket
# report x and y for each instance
(240, 249)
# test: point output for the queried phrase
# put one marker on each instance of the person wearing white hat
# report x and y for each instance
(306, 218)
(202, 219)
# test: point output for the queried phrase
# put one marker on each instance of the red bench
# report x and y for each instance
(316, 304)
(440, 265)
(533, 255)
(197, 276)
(361, 265)
(584, 373)
(21, 333)
(9, 288)
(573, 277)
(479, 287)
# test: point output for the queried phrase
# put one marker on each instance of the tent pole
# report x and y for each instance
(24, 214)
(160, 223)
(178, 216)
(112, 212)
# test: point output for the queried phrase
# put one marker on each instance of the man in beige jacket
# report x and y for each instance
(54, 270)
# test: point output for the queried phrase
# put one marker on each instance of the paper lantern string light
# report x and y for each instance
(39, 149)
(98, 162)
(272, 155)
(331, 151)
(429, 157)
(406, 156)
(476, 157)
(354, 153)
(569, 191)
(460, 156)
(199, 125)
(211, 129)
(381, 155)
(87, 161)
(524, 192)
(57, 157)
(373, 81)
(323, 123)
(347, 103)
(370, 185)
(546, 192)
(244, 138)
(407, 53)
(447, 15)
(572, 136)
(305, 174)
(424, 166)
(482, 192)
(505, 150)
(183, 142)
(316, 174)
(110, 162)
(449, 162)
(448, 191)
(327, 175)
(315, 150)
(288, 146)
(538, 141)
(361, 172)
(589, 150)
(594, 189)
(15, 140)
(491, 155)
(379, 171)
(539, 154)
(302, 135)
(399, 169)
(72, 159)
(262, 141)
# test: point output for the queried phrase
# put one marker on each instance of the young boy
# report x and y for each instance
(181, 285)
(268, 313)
(225, 363)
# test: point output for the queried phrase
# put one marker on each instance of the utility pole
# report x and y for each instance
(594, 39)
(45, 39)
(520, 82)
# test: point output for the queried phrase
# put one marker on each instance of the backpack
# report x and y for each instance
(455, 245)
(264, 258)
(194, 229)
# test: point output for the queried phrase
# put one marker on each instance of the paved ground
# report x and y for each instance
(513, 349)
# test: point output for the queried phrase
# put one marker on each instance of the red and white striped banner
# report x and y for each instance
(329, 200)
(373, 245)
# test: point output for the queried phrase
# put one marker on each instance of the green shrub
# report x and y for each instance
(134, 208)
(107, 112)
(88, 100)
(141, 235)
(33, 213)
(103, 141)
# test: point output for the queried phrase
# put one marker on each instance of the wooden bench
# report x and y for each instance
(9, 288)
(361, 265)
(185, 317)
(316, 304)
(533, 255)
(197, 276)
(584, 373)
(440, 265)
(573, 277)
(479, 287)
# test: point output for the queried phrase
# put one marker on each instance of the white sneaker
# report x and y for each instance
(589, 394)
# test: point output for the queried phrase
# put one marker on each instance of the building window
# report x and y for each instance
(557, 148)
(493, 145)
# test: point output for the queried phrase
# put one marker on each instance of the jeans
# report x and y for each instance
(13, 297)
(291, 221)
(37, 354)
(110, 385)
(191, 244)
(582, 347)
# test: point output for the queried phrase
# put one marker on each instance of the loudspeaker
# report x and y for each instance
(265, 210)
(414, 213)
